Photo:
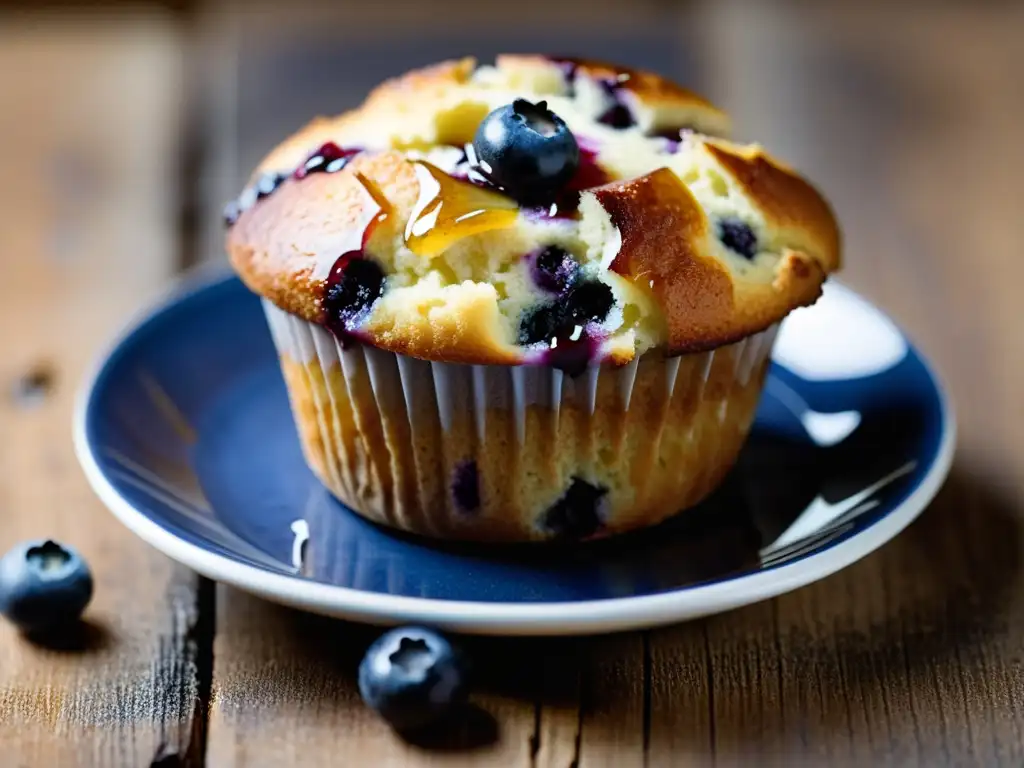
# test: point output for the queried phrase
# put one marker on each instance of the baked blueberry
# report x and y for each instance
(231, 213)
(570, 69)
(554, 269)
(466, 486)
(268, 183)
(43, 585)
(329, 158)
(354, 285)
(526, 150)
(738, 237)
(617, 114)
(413, 677)
(577, 514)
(265, 186)
(540, 324)
(588, 301)
(585, 302)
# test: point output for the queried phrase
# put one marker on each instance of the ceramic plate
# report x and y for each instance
(185, 433)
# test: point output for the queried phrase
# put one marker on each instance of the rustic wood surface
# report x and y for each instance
(88, 144)
(911, 123)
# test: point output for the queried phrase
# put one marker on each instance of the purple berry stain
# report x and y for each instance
(575, 516)
(571, 356)
(466, 486)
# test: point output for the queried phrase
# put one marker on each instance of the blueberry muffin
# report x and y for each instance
(527, 300)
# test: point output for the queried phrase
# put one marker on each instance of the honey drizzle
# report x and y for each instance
(450, 209)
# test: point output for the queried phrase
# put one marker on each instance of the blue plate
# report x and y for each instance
(185, 433)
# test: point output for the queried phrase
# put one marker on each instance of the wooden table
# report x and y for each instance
(121, 134)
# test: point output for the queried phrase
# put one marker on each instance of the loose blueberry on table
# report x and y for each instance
(43, 585)
(413, 677)
(526, 150)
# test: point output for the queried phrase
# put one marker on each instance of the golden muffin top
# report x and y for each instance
(539, 209)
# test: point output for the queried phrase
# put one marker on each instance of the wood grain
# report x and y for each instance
(911, 123)
(88, 132)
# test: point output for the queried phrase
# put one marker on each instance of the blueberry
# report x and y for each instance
(265, 186)
(466, 486)
(43, 585)
(329, 158)
(413, 677)
(540, 324)
(231, 213)
(585, 302)
(554, 269)
(617, 115)
(268, 183)
(738, 237)
(576, 515)
(354, 285)
(589, 301)
(527, 150)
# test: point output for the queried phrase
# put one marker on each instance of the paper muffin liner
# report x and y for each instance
(516, 453)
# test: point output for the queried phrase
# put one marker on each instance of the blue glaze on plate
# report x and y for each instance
(188, 422)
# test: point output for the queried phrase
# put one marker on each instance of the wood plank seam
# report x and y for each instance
(202, 635)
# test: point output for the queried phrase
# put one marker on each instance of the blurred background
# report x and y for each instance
(124, 128)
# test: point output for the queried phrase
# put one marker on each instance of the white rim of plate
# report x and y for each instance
(473, 617)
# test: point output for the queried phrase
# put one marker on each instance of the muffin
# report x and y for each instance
(528, 300)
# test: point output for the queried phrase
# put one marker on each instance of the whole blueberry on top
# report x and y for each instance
(527, 150)
(413, 677)
(43, 585)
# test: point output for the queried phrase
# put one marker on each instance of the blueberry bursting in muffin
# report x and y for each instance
(539, 214)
